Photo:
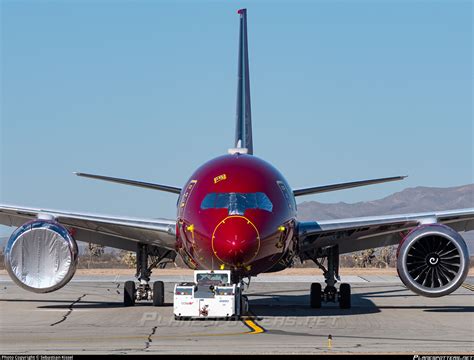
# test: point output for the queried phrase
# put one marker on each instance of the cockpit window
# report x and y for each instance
(290, 199)
(237, 203)
(209, 201)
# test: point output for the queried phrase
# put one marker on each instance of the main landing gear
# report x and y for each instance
(331, 275)
(142, 290)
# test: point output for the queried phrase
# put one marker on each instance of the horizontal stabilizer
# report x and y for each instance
(342, 186)
(142, 184)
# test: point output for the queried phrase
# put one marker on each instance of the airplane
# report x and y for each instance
(237, 212)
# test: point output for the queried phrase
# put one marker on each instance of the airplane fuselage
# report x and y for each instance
(236, 212)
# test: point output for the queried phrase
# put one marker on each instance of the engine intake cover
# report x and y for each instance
(433, 260)
(41, 256)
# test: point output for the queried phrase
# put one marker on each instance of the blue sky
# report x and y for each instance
(341, 91)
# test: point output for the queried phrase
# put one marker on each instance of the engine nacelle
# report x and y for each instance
(433, 260)
(41, 256)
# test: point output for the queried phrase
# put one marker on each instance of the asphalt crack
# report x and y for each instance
(147, 343)
(118, 285)
(71, 308)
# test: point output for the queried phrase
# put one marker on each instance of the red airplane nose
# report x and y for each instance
(235, 241)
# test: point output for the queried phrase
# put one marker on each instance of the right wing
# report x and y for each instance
(113, 231)
(356, 234)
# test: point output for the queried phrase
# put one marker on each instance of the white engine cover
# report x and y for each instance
(41, 256)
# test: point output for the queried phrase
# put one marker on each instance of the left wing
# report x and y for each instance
(113, 231)
(146, 185)
(370, 232)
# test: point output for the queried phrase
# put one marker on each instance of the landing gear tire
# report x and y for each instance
(345, 296)
(315, 295)
(158, 293)
(129, 293)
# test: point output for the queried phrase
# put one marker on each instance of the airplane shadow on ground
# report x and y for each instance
(281, 303)
(83, 304)
(101, 305)
(271, 304)
(298, 306)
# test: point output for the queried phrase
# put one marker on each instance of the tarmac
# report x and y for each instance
(87, 316)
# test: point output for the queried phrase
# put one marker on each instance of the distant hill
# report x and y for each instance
(418, 199)
(410, 200)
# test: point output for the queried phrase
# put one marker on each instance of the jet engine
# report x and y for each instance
(433, 260)
(41, 256)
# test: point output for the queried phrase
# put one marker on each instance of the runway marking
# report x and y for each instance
(468, 286)
(254, 327)
(249, 321)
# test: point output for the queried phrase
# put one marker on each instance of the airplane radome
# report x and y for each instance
(236, 218)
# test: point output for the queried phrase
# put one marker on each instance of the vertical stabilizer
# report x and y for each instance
(243, 129)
